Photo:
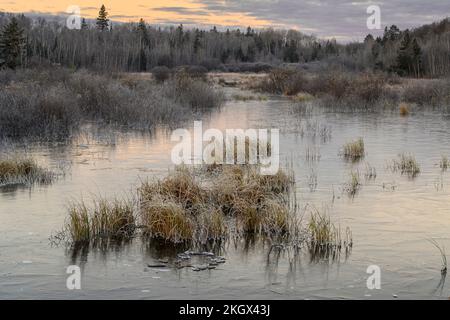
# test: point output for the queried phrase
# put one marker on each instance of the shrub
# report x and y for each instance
(161, 73)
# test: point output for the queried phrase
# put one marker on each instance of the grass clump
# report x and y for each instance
(444, 163)
(404, 109)
(23, 171)
(354, 150)
(182, 186)
(166, 219)
(103, 220)
(325, 239)
(406, 164)
(181, 208)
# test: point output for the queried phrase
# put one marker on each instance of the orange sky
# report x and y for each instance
(132, 10)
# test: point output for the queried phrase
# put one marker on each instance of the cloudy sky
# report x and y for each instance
(344, 20)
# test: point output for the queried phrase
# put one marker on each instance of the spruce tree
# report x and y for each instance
(405, 56)
(143, 33)
(11, 45)
(84, 25)
(102, 20)
(197, 44)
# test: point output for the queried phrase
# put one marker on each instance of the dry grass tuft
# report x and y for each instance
(325, 239)
(166, 219)
(406, 164)
(404, 109)
(104, 219)
(23, 171)
(354, 150)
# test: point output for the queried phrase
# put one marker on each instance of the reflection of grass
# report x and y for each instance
(406, 164)
(354, 183)
(445, 163)
(443, 255)
(23, 171)
(354, 150)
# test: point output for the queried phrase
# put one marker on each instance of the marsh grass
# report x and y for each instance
(325, 239)
(102, 220)
(404, 109)
(202, 209)
(166, 219)
(26, 171)
(302, 97)
(406, 164)
(354, 150)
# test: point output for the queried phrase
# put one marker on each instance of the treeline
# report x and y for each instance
(140, 47)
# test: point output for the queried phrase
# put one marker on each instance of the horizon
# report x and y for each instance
(344, 21)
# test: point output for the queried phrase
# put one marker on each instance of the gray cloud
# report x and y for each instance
(343, 19)
(182, 11)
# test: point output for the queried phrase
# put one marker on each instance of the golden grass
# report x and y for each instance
(104, 219)
(302, 97)
(212, 225)
(325, 239)
(199, 211)
(354, 150)
(180, 185)
(166, 219)
(183, 209)
(23, 171)
(404, 109)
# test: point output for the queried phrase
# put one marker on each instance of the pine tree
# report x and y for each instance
(11, 45)
(84, 25)
(102, 20)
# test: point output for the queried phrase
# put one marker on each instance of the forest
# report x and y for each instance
(139, 47)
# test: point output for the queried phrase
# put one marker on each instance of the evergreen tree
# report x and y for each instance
(142, 29)
(11, 45)
(102, 20)
(405, 55)
(197, 44)
(290, 52)
(84, 25)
